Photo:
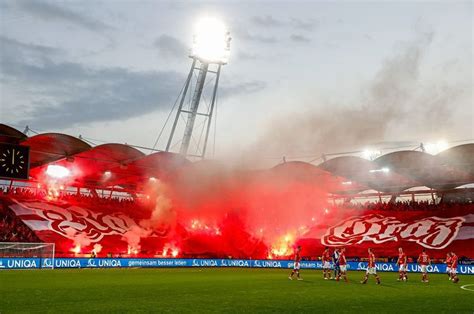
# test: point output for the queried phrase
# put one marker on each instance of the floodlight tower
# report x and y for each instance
(211, 46)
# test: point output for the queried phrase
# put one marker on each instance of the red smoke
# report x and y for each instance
(208, 210)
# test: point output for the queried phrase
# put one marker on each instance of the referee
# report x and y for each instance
(335, 262)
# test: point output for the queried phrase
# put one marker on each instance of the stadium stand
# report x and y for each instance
(110, 198)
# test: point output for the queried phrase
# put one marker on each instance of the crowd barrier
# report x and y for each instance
(32, 263)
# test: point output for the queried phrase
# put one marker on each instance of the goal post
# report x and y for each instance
(42, 251)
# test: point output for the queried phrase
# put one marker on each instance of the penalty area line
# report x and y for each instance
(465, 287)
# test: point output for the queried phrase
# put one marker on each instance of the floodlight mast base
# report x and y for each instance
(193, 111)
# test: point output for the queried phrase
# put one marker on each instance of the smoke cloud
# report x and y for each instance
(403, 98)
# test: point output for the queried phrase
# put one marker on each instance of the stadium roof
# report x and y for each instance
(110, 165)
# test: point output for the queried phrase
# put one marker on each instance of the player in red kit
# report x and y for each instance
(448, 265)
(342, 265)
(402, 265)
(371, 270)
(326, 260)
(454, 267)
(296, 267)
(424, 261)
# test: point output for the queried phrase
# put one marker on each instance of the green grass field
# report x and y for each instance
(224, 290)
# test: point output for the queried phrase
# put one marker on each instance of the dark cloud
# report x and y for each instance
(267, 21)
(260, 38)
(13, 47)
(270, 21)
(170, 47)
(66, 93)
(299, 38)
(242, 88)
(53, 12)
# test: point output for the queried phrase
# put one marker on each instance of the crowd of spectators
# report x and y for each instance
(12, 229)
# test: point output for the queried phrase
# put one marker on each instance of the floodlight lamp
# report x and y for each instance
(211, 43)
(435, 148)
(370, 154)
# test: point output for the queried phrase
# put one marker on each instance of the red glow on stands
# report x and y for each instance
(57, 172)
(170, 249)
(76, 249)
(201, 212)
(283, 246)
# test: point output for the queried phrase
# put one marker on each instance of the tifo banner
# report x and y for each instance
(69, 221)
(439, 232)
(436, 231)
(32, 263)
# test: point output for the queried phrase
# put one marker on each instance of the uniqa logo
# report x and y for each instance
(21, 263)
(234, 263)
(384, 267)
(66, 263)
(91, 263)
(204, 262)
(109, 263)
(463, 269)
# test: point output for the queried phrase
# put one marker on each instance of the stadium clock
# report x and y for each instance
(14, 161)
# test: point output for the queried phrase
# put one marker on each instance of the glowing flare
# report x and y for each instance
(371, 154)
(283, 246)
(435, 148)
(174, 252)
(58, 172)
(132, 250)
(77, 249)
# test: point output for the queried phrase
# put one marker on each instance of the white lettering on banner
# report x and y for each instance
(109, 263)
(204, 263)
(234, 263)
(308, 265)
(268, 264)
(431, 232)
(21, 263)
(67, 263)
(417, 268)
(273, 264)
(105, 263)
(467, 270)
(384, 267)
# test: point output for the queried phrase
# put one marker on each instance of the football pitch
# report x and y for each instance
(225, 290)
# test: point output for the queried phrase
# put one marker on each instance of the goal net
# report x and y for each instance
(44, 252)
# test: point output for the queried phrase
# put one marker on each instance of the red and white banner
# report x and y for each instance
(436, 231)
(69, 226)
(385, 231)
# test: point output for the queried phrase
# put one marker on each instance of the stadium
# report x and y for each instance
(116, 227)
(119, 208)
